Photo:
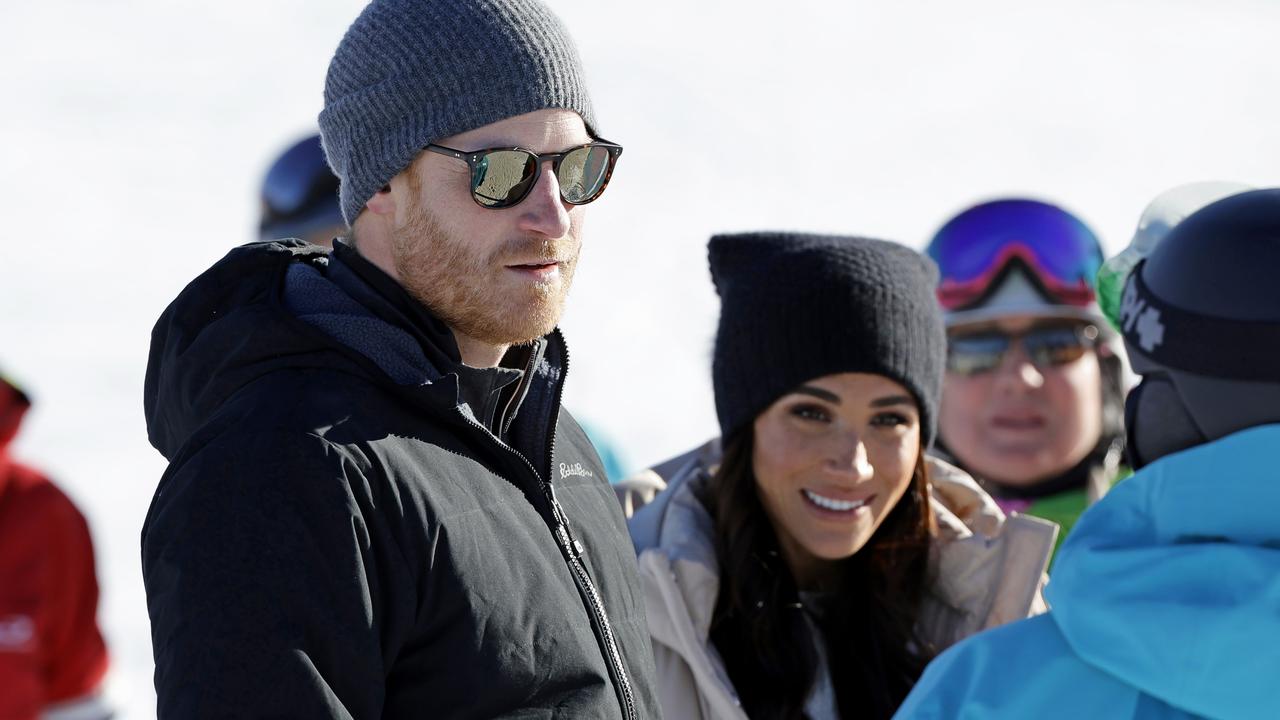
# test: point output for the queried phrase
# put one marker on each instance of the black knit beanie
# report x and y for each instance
(796, 307)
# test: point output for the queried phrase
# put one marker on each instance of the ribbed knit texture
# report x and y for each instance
(408, 73)
(796, 307)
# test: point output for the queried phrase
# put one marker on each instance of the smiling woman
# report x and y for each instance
(815, 566)
(831, 459)
(828, 470)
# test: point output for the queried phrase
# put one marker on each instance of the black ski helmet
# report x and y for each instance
(1201, 322)
(300, 193)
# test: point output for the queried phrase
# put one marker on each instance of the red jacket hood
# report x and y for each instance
(13, 405)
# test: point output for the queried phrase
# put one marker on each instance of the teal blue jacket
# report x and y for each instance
(1166, 604)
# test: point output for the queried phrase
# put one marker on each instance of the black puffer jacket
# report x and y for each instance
(340, 533)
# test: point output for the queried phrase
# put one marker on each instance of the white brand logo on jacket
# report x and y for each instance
(567, 470)
(17, 633)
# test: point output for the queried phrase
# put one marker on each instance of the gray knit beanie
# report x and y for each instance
(797, 306)
(409, 72)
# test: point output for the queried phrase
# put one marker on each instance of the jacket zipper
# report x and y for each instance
(573, 550)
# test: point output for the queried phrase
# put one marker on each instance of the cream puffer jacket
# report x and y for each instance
(989, 570)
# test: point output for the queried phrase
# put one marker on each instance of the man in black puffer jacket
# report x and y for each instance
(375, 506)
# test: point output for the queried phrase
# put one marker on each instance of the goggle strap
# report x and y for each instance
(1185, 340)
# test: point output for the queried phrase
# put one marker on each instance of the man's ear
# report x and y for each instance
(383, 202)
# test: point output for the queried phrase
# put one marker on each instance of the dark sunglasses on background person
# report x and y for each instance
(502, 177)
(979, 352)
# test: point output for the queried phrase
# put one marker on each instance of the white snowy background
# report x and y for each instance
(133, 134)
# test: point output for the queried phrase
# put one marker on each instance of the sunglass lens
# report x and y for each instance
(503, 177)
(582, 174)
(1054, 346)
(972, 354)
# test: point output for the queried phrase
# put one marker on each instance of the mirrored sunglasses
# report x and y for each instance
(975, 353)
(502, 177)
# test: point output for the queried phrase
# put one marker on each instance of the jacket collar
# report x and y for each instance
(378, 292)
(492, 396)
(970, 561)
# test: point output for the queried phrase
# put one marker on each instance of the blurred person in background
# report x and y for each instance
(1032, 405)
(815, 568)
(376, 506)
(1166, 598)
(611, 456)
(52, 656)
(300, 197)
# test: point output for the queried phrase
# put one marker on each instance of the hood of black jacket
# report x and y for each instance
(240, 321)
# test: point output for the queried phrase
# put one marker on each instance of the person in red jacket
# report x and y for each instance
(52, 656)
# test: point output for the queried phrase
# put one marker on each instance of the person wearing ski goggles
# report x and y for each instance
(299, 196)
(1168, 594)
(1032, 402)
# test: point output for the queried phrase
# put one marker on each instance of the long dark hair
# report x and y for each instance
(867, 623)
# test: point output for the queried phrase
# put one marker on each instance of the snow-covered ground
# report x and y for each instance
(134, 133)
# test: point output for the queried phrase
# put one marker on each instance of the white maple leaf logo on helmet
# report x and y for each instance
(1137, 315)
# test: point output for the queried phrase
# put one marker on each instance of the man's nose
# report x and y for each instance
(543, 211)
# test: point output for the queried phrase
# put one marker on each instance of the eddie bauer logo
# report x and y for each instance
(567, 470)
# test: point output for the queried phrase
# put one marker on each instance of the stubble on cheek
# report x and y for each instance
(471, 291)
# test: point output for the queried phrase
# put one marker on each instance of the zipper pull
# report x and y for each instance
(562, 531)
(557, 511)
(571, 546)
